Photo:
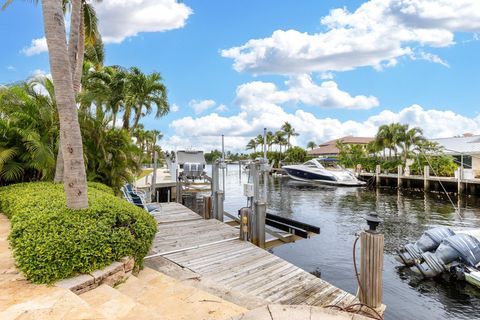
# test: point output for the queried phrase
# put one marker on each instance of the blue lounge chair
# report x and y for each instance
(138, 199)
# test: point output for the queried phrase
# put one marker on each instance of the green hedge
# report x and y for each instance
(51, 242)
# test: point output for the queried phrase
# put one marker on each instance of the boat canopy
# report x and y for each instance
(187, 156)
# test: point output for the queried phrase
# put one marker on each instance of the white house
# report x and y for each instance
(466, 147)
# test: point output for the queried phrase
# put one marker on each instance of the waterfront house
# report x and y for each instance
(329, 148)
(465, 149)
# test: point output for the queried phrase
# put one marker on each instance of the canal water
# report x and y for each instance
(339, 213)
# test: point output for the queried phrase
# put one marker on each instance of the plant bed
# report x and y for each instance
(51, 242)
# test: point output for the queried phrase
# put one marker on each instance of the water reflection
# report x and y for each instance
(339, 213)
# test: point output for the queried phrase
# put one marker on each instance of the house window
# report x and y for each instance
(467, 161)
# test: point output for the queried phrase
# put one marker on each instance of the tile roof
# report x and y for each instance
(329, 147)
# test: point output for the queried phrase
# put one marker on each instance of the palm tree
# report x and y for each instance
(105, 86)
(385, 138)
(75, 182)
(260, 141)
(83, 30)
(410, 137)
(29, 130)
(144, 91)
(252, 144)
(270, 140)
(289, 131)
(311, 145)
(280, 139)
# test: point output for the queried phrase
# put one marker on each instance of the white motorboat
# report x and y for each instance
(322, 170)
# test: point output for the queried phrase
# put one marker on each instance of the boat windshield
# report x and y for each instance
(312, 164)
(330, 165)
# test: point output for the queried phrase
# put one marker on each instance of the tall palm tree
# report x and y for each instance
(75, 182)
(108, 86)
(252, 145)
(144, 92)
(83, 30)
(410, 137)
(289, 131)
(311, 145)
(260, 141)
(280, 139)
(386, 138)
(270, 140)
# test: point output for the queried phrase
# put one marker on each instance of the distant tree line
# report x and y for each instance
(395, 144)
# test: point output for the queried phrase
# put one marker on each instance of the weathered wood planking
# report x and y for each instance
(212, 250)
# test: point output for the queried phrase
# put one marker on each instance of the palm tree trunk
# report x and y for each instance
(114, 119)
(77, 75)
(126, 118)
(75, 182)
(73, 41)
(138, 114)
(76, 47)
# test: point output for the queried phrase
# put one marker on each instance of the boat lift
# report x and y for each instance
(254, 220)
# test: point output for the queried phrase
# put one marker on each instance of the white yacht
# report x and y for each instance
(323, 170)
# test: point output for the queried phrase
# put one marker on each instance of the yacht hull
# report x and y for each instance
(307, 176)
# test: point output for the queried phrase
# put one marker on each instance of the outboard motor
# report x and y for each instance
(192, 170)
(429, 241)
(461, 247)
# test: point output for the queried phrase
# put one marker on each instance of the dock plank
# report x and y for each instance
(212, 250)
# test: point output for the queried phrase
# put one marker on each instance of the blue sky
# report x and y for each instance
(329, 73)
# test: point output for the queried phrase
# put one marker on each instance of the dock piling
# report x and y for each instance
(220, 198)
(245, 223)
(371, 264)
(260, 215)
(426, 178)
(377, 175)
(207, 207)
(399, 176)
(459, 180)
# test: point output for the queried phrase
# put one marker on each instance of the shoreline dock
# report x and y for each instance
(188, 247)
(425, 183)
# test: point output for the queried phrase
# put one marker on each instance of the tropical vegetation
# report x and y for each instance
(66, 127)
(29, 123)
(397, 144)
(51, 242)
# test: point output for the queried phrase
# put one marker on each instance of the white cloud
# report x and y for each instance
(377, 34)
(301, 89)
(174, 107)
(261, 105)
(37, 46)
(201, 105)
(120, 19)
(221, 108)
(432, 58)
(40, 73)
(11, 68)
(204, 132)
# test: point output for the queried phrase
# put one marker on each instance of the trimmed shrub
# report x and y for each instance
(51, 242)
(100, 186)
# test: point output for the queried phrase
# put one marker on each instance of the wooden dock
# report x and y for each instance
(426, 183)
(212, 252)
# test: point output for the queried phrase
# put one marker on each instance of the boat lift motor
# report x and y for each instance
(462, 248)
(192, 170)
(429, 241)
